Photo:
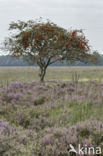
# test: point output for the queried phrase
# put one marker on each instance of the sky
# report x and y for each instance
(69, 14)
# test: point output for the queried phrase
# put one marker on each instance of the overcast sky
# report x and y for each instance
(75, 14)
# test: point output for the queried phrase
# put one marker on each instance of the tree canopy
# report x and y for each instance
(45, 43)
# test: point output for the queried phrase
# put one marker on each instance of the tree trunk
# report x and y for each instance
(42, 74)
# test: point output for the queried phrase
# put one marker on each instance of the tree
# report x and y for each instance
(99, 58)
(45, 43)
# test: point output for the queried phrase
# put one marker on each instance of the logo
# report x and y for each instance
(85, 150)
(72, 149)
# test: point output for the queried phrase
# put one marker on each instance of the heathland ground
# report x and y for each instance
(43, 119)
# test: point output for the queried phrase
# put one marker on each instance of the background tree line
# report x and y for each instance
(12, 61)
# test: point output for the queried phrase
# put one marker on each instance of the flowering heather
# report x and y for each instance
(57, 140)
(15, 140)
(43, 119)
(21, 93)
(53, 141)
(27, 93)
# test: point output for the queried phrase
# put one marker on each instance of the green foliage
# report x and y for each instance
(99, 57)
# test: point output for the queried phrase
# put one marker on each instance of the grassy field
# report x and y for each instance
(53, 73)
(44, 119)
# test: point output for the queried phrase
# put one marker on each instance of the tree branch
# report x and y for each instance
(58, 59)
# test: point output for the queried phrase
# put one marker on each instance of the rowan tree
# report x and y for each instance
(45, 43)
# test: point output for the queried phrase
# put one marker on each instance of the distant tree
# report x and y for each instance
(99, 58)
(45, 43)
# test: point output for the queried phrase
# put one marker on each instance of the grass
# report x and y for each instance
(8, 74)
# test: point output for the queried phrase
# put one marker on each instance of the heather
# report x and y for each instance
(15, 140)
(42, 119)
(57, 140)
